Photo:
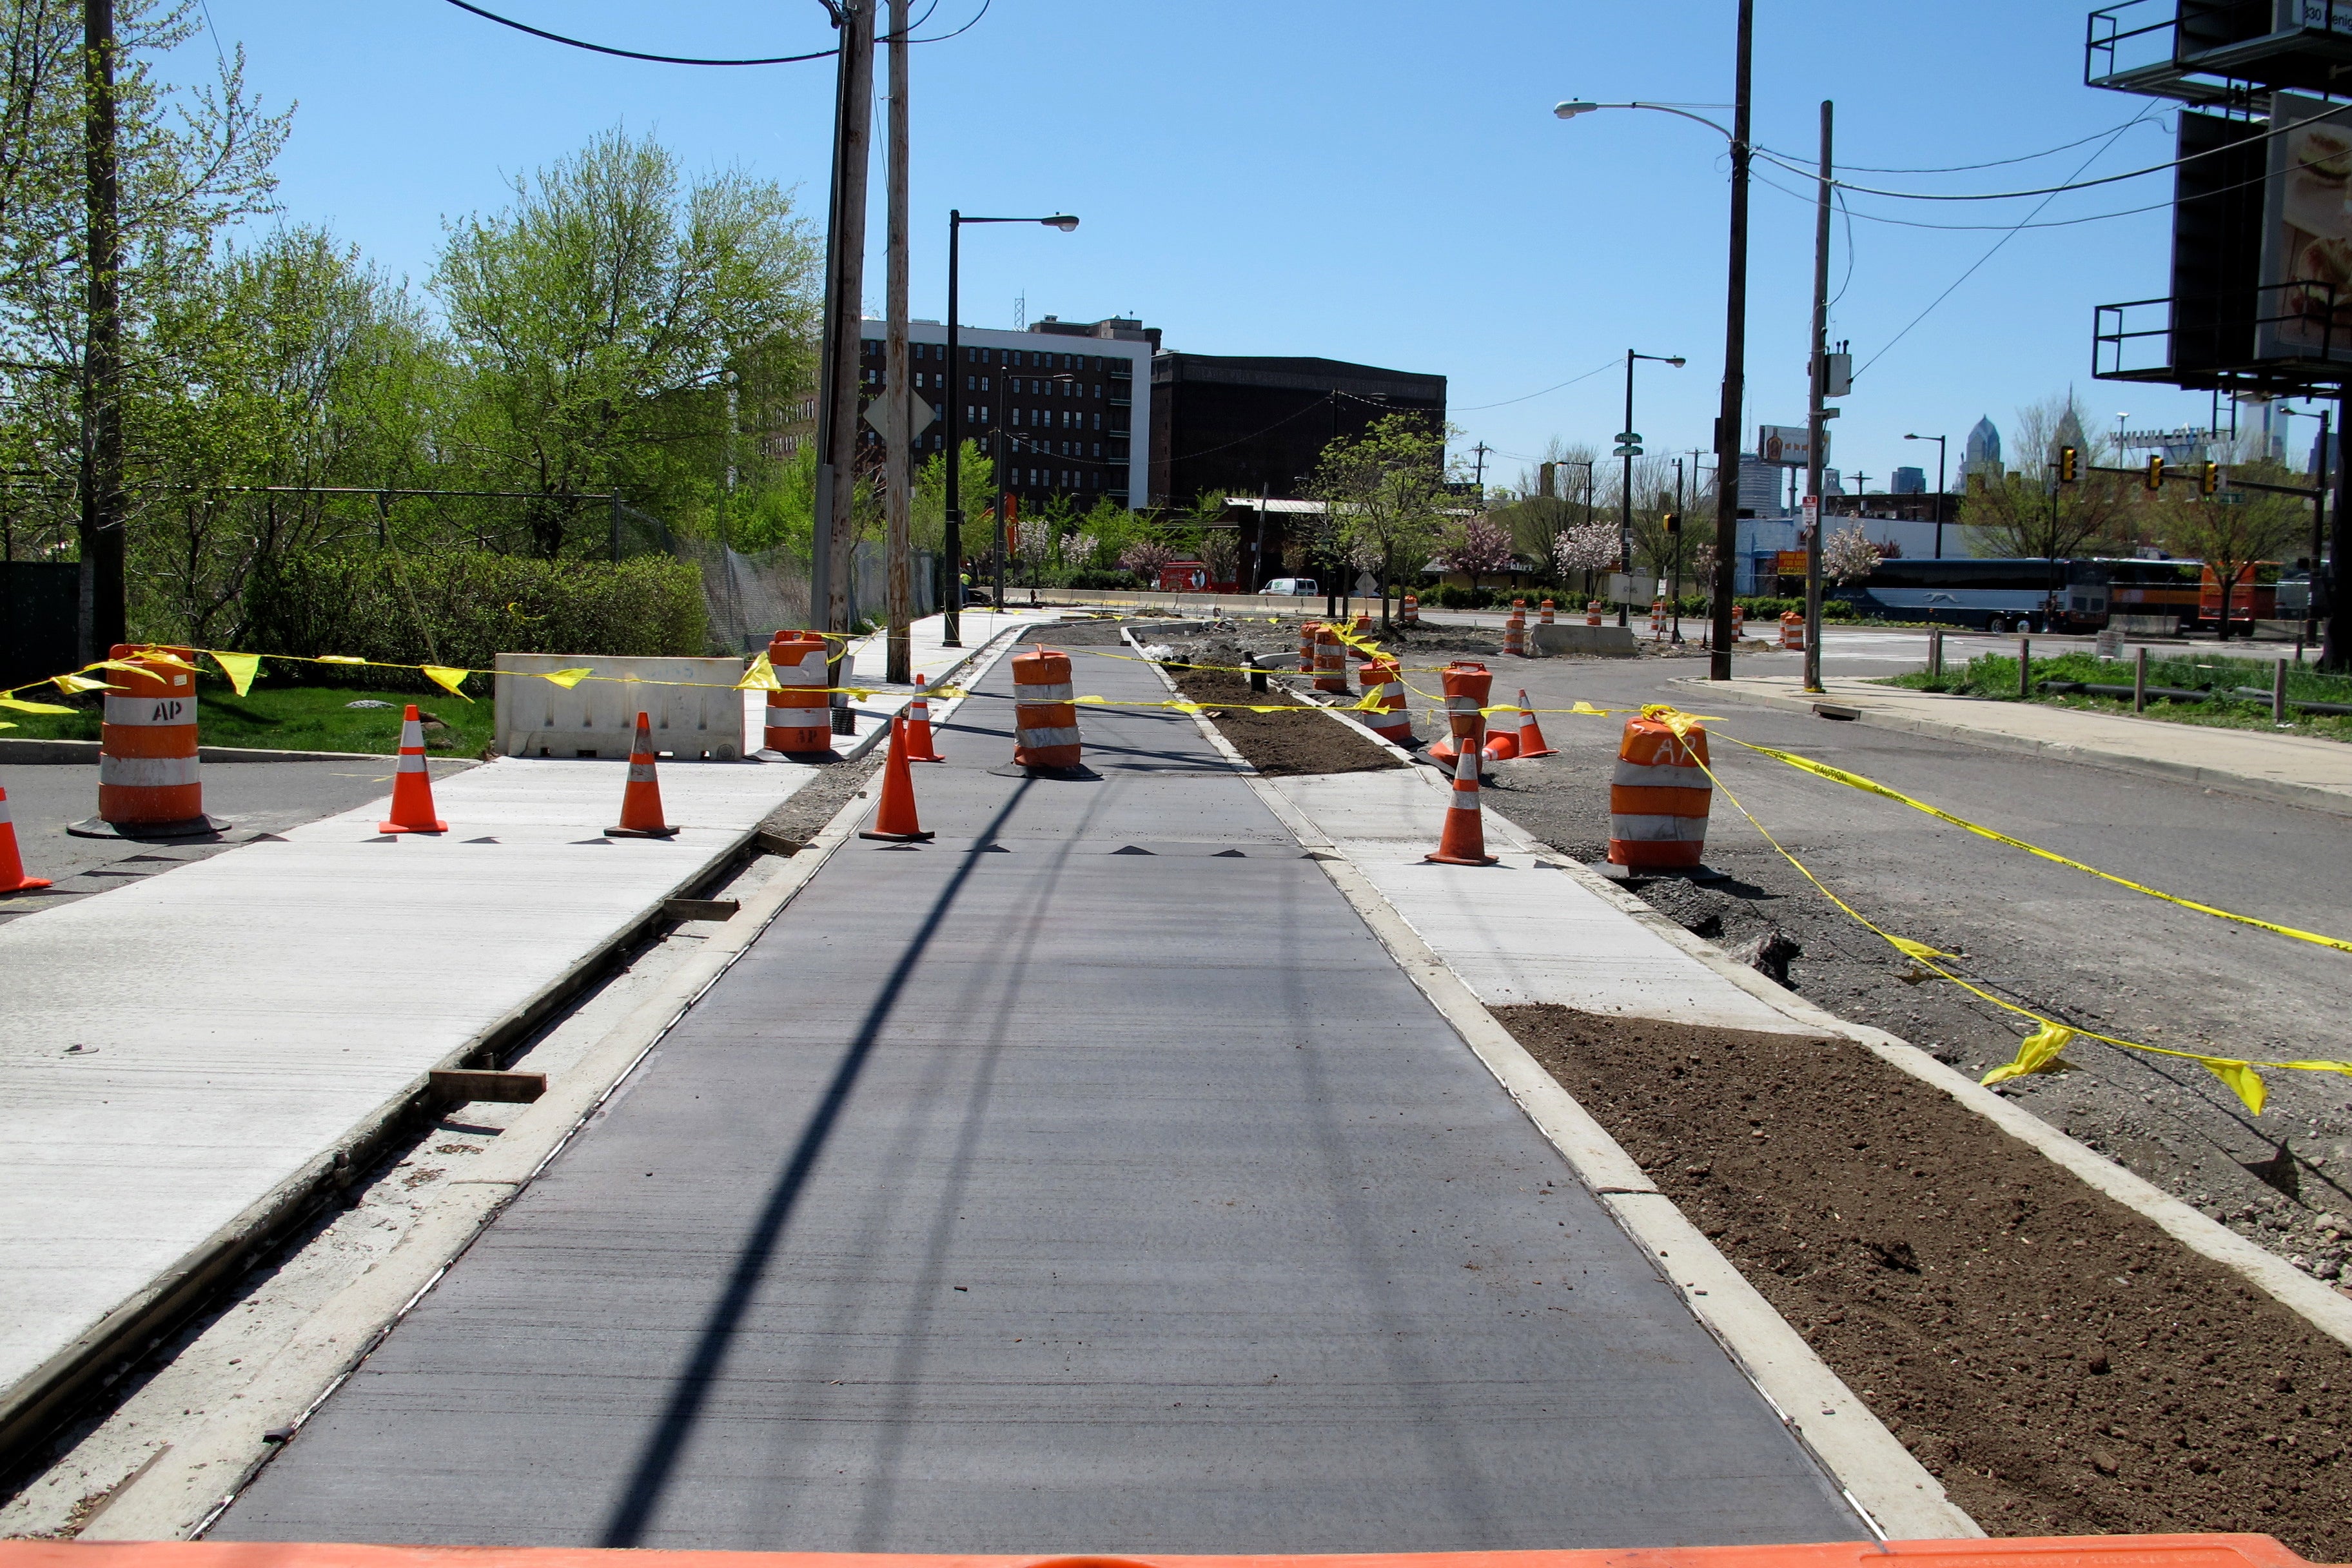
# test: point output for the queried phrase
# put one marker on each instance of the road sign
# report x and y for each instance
(882, 413)
(2232, 498)
(1625, 452)
(1629, 438)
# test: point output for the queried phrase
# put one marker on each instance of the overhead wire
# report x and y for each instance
(634, 54)
(1571, 380)
(2147, 113)
(1991, 252)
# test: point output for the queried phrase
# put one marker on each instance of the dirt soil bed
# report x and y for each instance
(2056, 1360)
(1298, 740)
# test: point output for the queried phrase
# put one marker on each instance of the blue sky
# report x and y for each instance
(1365, 180)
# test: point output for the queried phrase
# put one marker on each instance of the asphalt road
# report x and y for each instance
(2064, 943)
(256, 799)
(1090, 1179)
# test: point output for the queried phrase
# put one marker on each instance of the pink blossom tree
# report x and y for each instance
(1478, 546)
(1848, 556)
(1587, 548)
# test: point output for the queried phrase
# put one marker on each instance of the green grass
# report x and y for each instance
(287, 719)
(1994, 677)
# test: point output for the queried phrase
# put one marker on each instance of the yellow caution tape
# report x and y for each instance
(2037, 1052)
(1871, 786)
(23, 706)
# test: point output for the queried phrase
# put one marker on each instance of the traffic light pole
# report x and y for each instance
(2336, 651)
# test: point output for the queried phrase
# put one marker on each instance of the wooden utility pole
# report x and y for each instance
(844, 292)
(1735, 355)
(104, 619)
(898, 501)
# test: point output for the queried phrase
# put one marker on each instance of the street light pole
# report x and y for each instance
(953, 542)
(1940, 487)
(1734, 357)
(1817, 420)
(1625, 450)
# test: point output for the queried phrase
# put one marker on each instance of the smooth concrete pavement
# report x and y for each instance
(1090, 1179)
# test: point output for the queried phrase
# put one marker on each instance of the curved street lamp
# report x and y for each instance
(1734, 326)
(1939, 441)
(953, 542)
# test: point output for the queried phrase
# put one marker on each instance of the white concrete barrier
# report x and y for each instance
(703, 719)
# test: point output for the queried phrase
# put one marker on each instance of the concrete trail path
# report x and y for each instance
(1088, 1179)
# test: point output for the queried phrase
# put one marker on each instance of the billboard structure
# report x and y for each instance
(2305, 308)
(1789, 446)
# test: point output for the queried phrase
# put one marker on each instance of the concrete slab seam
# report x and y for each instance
(1894, 1495)
(2278, 793)
(442, 1236)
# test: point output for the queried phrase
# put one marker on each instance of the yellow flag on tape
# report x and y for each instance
(340, 659)
(76, 683)
(121, 664)
(2243, 1080)
(452, 681)
(1584, 707)
(760, 677)
(156, 655)
(566, 678)
(2034, 1054)
(6, 726)
(240, 668)
(23, 706)
(1185, 707)
(1091, 699)
(1910, 948)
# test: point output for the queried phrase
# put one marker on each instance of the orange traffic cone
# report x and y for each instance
(894, 821)
(919, 728)
(12, 865)
(1463, 840)
(1502, 744)
(1531, 740)
(412, 787)
(640, 806)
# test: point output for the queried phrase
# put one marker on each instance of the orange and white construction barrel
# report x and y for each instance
(1410, 615)
(1514, 631)
(1383, 684)
(1792, 630)
(800, 719)
(1658, 799)
(1467, 684)
(1330, 661)
(1544, 613)
(1592, 612)
(1307, 630)
(148, 781)
(1044, 722)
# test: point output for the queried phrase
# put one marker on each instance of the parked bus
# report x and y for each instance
(2157, 589)
(2002, 595)
(2253, 597)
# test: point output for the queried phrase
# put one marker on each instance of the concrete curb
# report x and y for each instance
(38, 752)
(2312, 797)
(1892, 1490)
(188, 1484)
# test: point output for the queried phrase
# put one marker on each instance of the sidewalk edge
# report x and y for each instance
(1890, 1489)
(2277, 792)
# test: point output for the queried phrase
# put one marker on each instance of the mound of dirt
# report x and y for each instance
(2060, 1364)
(1297, 740)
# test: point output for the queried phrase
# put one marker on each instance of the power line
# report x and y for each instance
(1478, 407)
(2072, 184)
(1991, 251)
(2003, 163)
(634, 54)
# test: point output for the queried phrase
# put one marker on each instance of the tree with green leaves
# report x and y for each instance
(2233, 530)
(597, 312)
(1385, 499)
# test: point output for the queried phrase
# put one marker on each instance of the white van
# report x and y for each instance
(1292, 588)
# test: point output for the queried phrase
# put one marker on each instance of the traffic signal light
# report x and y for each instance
(2155, 472)
(2208, 478)
(1673, 524)
(2067, 458)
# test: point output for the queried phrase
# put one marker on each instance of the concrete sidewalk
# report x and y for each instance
(186, 1060)
(1090, 1179)
(2292, 770)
